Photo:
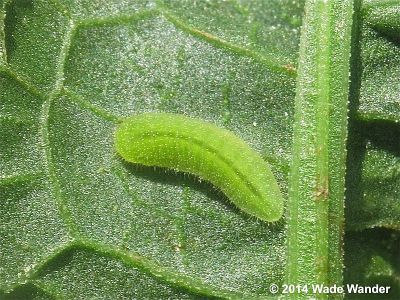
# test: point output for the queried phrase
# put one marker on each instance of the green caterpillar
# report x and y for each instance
(207, 151)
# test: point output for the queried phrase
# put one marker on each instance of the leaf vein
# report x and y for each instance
(272, 63)
(54, 185)
(83, 103)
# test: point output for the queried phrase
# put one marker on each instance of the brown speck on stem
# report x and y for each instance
(290, 68)
(178, 248)
(322, 193)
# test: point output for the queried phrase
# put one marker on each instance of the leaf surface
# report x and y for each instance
(76, 220)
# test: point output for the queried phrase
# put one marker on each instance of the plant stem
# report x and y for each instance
(317, 174)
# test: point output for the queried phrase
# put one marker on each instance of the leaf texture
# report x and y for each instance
(78, 222)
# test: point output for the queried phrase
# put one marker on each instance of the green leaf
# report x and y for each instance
(372, 258)
(380, 55)
(78, 222)
(108, 65)
(2, 35)
(373, 181)
(374, 176)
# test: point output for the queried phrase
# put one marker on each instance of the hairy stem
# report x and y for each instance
(316, 183)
